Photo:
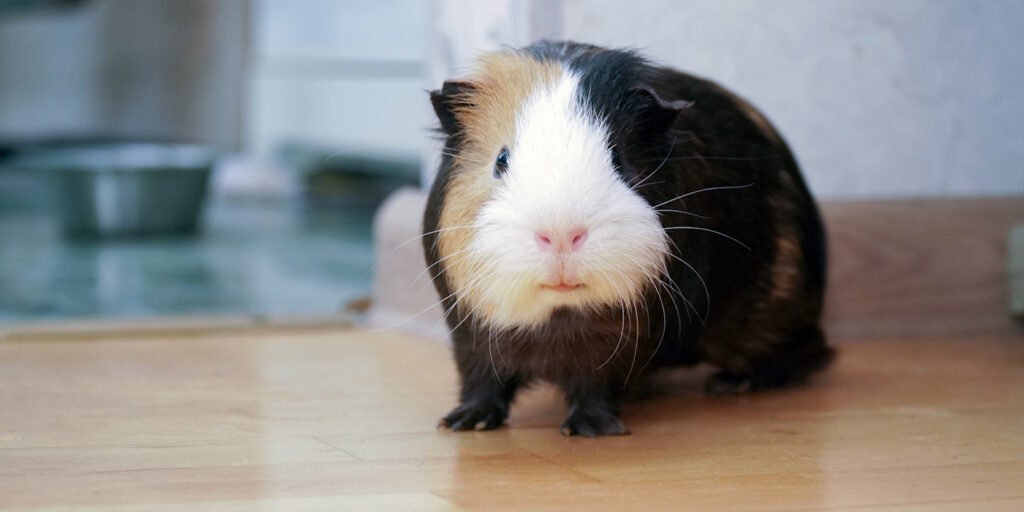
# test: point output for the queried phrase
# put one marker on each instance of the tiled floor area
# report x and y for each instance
(260, 258)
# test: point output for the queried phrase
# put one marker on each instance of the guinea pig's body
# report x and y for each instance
(596, 217)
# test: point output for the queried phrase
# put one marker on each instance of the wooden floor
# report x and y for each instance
(339, 420)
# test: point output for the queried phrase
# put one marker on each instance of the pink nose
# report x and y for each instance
(562, 241)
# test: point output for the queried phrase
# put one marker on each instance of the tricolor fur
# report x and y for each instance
(561, 174)
(701, 240)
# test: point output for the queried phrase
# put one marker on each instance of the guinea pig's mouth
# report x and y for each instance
(561, 287)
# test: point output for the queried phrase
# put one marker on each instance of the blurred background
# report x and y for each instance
(228, 157)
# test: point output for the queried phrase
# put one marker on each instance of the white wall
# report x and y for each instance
(460, 30)
(878, 99)
(354, 75)
(340, 74)
(124, 68)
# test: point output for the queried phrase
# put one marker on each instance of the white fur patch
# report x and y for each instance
(560, 177)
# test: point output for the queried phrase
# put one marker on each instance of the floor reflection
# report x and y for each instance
(272, 258)
(703, 452)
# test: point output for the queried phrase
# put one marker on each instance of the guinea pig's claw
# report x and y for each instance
(474, 417)
(593, 424)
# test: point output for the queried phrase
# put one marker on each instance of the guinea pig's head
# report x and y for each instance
(537, 211)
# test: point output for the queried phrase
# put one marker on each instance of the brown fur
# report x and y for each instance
(757, 119)
(787, 276)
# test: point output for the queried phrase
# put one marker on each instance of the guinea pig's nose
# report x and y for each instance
(562, 241)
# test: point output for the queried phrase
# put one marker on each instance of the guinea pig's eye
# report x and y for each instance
(501, 164)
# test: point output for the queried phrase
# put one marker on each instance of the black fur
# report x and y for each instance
(697, 136)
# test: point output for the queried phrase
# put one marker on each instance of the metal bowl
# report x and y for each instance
(128, 189)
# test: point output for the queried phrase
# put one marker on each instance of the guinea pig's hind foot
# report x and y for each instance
(724, 383)
(593, 423)
(475, 416)
(791, 363)
(727, 383)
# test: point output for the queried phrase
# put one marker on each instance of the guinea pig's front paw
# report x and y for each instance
(593, 423)
(475, 416)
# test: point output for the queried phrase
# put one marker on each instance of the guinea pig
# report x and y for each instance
(596, 217)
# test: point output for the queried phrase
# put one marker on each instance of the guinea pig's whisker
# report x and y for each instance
(645, 177)
(675, 286)
(343, 151)
(719, 233)
(655, 281)
(707, 303)
(622, 322)
(673, 243)
(665, 328)
(490, 353)
(672, 287)
(466, 317)
(708, 189)
(626, 321)
(413, 239)
(662, 270)
(440, 271)
(690, 308)
(453, 309)
(636, 316)
(650, 184)
(664, 323)
(459, 293)
(464, 290)
(684, 212)
(472, 312)
(732, 158)
(707, 293)
(636, 345)
(675, 307)
(498, 348)
(417, 315)
(436, 263)
(656, 169)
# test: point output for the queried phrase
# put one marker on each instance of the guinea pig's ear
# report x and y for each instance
(657, 115)
(453, 94)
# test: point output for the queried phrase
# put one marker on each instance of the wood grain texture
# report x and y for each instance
(344, 420)
(919, 268)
